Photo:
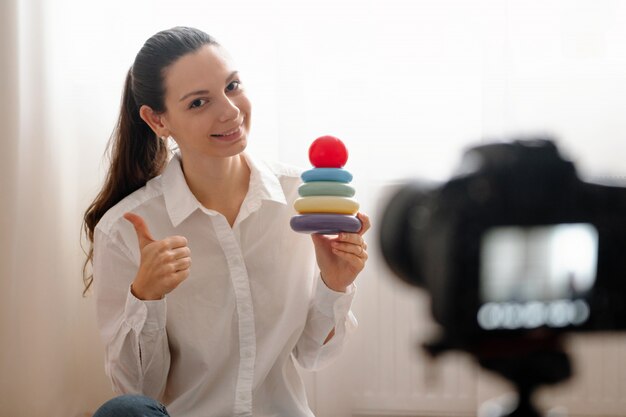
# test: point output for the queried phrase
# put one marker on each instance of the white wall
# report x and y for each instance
(406, 84)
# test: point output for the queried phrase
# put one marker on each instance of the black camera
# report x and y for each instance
(514, 250)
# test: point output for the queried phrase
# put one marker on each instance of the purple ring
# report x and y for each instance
(326, 224)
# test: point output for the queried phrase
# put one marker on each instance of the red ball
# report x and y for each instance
(328, 152)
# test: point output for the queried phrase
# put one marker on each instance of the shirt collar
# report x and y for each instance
(264, 184)
(180, 201)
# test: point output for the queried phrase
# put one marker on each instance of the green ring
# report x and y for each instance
(333, 188)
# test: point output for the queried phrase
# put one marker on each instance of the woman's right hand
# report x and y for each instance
(164, 263)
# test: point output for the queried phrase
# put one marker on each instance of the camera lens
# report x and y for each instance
(405, 214)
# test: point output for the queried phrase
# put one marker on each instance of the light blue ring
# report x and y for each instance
(327, 174)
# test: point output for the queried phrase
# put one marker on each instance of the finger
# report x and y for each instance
(141, 228)
(174, 279)
(182, 264)
(354, 238)
(319, 240)
(180, 253)
(365, 222)
(320, 237)
(176, 242)
(349, 248)
(179, 276)
(351, 257)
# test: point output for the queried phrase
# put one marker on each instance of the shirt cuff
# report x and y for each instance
(143, 315)
(333, 304)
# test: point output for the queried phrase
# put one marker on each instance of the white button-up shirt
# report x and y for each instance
(226, 340)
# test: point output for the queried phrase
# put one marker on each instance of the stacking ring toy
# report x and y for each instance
(328, 224)
(326, 205)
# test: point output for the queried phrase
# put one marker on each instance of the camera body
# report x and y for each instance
(514, 243)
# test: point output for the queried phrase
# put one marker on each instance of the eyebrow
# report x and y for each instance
(200, 92)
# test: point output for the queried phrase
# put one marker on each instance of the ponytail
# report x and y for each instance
(136, 156)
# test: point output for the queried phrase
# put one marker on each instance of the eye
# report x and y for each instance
(233, 86)
(199, 102)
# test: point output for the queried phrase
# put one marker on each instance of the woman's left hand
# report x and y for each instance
(341, 258)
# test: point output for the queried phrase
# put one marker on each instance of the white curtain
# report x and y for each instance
(51, 358)
(406, 84)
(49, 354)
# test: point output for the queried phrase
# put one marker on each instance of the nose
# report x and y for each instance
(230, 110)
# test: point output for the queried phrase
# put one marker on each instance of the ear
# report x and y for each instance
(154, 120)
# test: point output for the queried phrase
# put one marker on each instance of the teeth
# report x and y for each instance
(228, 133)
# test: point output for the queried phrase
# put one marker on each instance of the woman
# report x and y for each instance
(220, 338)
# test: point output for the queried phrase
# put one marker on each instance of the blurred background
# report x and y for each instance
(407, 85)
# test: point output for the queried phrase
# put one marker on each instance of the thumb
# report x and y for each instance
(320, 241)
(141, 228)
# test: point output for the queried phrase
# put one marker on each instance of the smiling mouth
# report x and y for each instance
(228, 133)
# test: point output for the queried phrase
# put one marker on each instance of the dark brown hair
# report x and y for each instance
(136, 154)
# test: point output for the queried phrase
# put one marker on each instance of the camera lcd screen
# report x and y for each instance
(535, 276)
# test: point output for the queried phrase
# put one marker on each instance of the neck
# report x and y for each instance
(218, 183)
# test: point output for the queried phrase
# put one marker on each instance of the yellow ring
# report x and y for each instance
(326, 204)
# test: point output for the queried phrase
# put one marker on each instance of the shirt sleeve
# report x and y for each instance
(329, 309)
(137, 357)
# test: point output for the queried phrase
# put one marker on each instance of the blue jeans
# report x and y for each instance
(132, 406)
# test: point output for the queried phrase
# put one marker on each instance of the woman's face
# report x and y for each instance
(207, 110)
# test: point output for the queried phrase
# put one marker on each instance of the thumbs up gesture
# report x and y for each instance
(164, 263)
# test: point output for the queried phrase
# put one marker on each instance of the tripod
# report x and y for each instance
(527, 361)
